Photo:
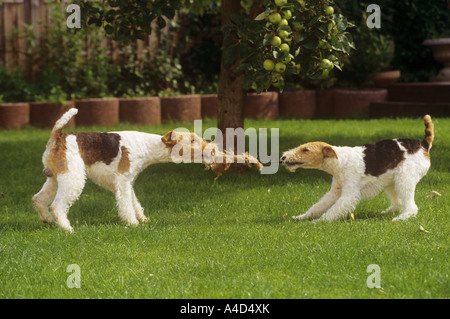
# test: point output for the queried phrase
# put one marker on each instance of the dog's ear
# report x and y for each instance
(167, 139)
(328, 151)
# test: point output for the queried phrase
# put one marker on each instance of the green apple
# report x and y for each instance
(326, 64)
(297, 68)
(276, 41)
(280, 67)
(285, 47)
(275, 18)
(287, 14)
(283, 34)
(302, 3)
(284, 22)
(268, 65)
(276, 78)
(287, 60)
(329, 10)
(280, 2)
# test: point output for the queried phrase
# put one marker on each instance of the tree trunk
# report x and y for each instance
(231, 95)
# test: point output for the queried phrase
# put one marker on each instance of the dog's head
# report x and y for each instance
(185, 141)
(309, 155)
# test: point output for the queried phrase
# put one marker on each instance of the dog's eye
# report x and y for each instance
(305, 150)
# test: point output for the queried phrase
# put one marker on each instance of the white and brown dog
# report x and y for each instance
(395, 166)
(111, 160)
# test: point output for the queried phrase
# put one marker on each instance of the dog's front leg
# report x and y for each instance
(325, 203)
(346, 203)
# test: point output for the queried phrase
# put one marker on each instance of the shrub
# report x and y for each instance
(409, 23)
(65, 61)
(146, 75)
(374, 50)
(14, 87)
(198, 47)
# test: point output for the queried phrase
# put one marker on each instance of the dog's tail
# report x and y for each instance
(63, 120)
(429, 132)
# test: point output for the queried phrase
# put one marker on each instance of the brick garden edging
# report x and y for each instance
(298, 104)
(45, 114)
(144, 110)
(350, 102)
(183, 108)
(187, 108)
(14, 115)
(261, 106)
(97, 111)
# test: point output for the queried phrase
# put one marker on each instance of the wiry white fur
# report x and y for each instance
(350, 184)
(64, 119)
(62, 190)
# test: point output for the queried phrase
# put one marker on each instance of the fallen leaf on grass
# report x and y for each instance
(423, 230)
(434, 194)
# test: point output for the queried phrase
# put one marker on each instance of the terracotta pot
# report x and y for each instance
(183, 108)
(145, 110)
(351, 102)
(298, 104)
(441, 53)
(14, 115)
(263, 105)
(386, 78)
(325, 103)
(45, 114)
(97, 112)
(209, 105)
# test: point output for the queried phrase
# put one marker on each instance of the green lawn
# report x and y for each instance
(230, 238)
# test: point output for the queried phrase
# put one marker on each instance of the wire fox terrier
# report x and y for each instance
(362, 172)
(113, 161)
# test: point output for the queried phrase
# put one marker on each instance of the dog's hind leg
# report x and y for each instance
(124, 198)
(45, 196)
(139, 211)
(408, 206)
(70, 186)
(395, 201)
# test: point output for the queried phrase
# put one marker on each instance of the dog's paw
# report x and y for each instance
(403, 216)
(144, 219)
(47, 220)
(300, 217)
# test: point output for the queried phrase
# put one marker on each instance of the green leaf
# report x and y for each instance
(261, 16)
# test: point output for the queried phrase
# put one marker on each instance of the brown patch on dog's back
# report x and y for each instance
(124, 164)
(412, 146)
(98, 147)
(382, 156)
